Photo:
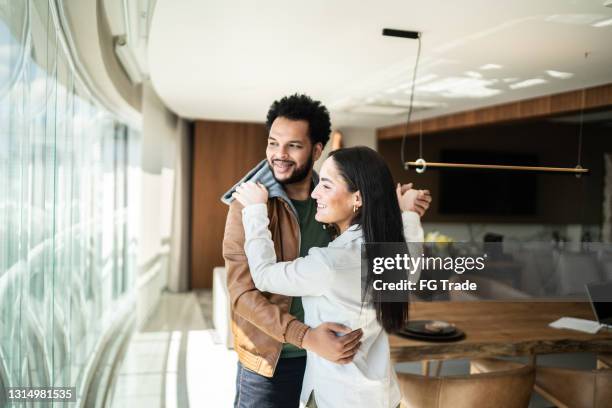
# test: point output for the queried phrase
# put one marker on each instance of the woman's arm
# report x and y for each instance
(413, 232)
(307, 276)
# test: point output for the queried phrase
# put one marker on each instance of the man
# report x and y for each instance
(269, 334)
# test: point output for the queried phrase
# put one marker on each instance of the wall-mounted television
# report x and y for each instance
(488, 192)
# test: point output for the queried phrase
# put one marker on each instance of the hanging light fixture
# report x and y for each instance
(420, 164)
(414, 35)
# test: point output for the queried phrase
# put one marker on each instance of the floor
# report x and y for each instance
(174, 360)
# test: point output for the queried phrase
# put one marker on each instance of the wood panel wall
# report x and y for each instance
(545, 106)
(223, 153)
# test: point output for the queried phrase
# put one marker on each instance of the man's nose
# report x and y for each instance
(282, 152)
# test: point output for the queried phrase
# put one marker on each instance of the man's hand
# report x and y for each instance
(413, 200)
(323, 341)
(250, 193)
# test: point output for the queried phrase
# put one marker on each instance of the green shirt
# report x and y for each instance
(312, 235)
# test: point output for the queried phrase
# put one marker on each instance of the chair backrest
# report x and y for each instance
(501, 389)
(604, 361)
(575, 388)
(538, 273)
(487, 289)
(574, 270)
(606, 270)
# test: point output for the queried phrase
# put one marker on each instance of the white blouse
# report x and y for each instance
(329, 281)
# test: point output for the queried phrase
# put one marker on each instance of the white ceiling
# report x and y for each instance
(228, 60)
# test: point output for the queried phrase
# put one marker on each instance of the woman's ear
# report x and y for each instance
(357, 198)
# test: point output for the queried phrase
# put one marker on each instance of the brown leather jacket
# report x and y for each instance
(261, 322)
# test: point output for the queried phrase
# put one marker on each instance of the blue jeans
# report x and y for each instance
(281, 391)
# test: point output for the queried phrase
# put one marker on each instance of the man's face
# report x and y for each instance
(290, 153)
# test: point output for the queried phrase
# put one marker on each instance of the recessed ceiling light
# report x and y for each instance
(603, 23)
(528, 82)
(559, 74)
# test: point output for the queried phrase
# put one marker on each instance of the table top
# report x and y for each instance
(495, 328)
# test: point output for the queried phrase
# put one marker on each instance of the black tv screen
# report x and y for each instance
(488, 192)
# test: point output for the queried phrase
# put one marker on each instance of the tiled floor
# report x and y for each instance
(174, 362)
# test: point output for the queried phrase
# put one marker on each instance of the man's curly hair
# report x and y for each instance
(303, 107)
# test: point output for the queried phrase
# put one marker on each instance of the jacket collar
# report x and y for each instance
(353, 233)
(262, 173)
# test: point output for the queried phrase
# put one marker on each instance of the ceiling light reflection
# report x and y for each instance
(473, 74)
(421, 80)
(603, 23)
(490, 66)
(461, 87)
(559, 74)
(578, 19)
(527, 83)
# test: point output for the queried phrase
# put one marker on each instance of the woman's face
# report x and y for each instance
(334, 201)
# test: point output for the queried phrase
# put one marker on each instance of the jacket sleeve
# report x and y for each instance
(246, 300)
(307, 276)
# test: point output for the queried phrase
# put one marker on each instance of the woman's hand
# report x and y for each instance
(250, 193)
(410, 199)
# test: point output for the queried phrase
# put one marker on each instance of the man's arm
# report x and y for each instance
(419, 199)
(245, 299)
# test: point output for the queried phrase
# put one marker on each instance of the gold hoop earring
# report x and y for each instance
(354, 209)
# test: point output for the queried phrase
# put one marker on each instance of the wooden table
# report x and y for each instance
(501, 329)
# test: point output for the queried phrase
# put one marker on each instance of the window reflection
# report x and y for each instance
(67, 247)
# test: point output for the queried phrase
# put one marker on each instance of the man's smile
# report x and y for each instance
(282, 165)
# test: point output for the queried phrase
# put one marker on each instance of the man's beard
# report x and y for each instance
(299, 174)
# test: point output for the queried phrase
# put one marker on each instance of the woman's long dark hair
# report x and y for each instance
(380, 217)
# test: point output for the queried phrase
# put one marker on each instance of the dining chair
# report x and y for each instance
(604, 361)
(606, 268)
(563, 387)
(487, 288)
(538, 273)
(574, 270)
(501, 389)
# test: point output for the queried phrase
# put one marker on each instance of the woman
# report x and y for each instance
(355, 193)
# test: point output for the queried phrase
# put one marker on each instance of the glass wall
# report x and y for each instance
(67, 246)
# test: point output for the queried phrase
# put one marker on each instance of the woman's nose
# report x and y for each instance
(315, 193)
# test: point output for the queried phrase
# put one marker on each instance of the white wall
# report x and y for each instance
(160, 132)
(157, 161)
(351, 136)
